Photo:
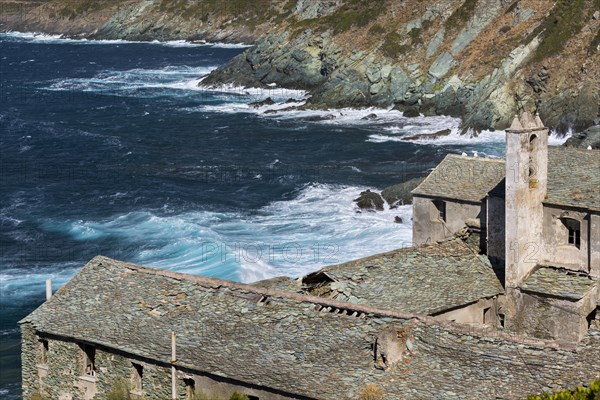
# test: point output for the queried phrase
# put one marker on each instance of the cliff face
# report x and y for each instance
(478, 59)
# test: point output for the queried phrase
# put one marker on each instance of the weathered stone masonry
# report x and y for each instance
(460, 317)
(291, 346)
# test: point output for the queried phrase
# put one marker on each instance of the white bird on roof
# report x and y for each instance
(589, 147)
(475, 154)
(464, 154)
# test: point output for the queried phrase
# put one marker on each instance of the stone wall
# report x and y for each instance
(428, 228)
(495, 230)
(595, 244)
(61, 375)
(484, 311)
(545, 317)
(556, 250)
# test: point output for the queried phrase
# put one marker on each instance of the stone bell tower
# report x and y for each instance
(526, 181)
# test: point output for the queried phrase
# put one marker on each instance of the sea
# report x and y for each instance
(115, 148)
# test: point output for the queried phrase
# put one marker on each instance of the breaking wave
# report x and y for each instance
(320, 226)
(62, 39)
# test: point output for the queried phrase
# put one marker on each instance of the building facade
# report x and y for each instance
(498, 299)
(539, 213)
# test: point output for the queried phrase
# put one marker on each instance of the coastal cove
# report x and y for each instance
(112, 147)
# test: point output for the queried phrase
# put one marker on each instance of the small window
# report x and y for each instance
(136, 378)
(591, 318)
(43, 351)
(89, 360)
(487, 315)
(440, 207)
(574, 231)
(253, 397)
(190, 388)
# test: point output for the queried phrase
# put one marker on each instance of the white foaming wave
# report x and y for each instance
(557, 139)
(8, 332)
(399, 134)
(255, 94)
(320, 226)
(19, 282)
(61, 39)
(171, 77)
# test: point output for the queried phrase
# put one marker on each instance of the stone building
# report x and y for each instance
(438, 320)
(539, 217)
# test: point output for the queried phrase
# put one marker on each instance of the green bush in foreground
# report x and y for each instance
(581, 393)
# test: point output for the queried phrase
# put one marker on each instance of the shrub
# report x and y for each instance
(376, 29)
(563, 22)
(588, 393)
(37, 395)
(119, 390)
(461, 15)
(371, 392)
(204, 396)
(415, 35)
(595, 43)
(392, 48)
(238, 396)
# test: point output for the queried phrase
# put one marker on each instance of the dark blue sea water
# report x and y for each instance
(111, 148)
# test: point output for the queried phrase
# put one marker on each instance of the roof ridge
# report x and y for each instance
(307, 299)
(459, 156)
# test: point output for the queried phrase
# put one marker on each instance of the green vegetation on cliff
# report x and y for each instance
(353, 14)
(581, 393)
(461, 15)
(564, 21)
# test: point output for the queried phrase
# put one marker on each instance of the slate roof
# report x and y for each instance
(462, 178)
(284, 343)
(423, 280)
(573, 178)
(559, 283)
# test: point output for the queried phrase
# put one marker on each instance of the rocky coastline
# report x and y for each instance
(480, 60)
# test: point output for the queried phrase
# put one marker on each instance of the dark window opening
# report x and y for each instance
(533, 146)
(89, 360)
(253, 397)
(190, 388)
(487, 313)
(591, 317)
(575, 237)
(137, 378)
(441, 209)
(501, 319)
(574, 228)
(43, 351)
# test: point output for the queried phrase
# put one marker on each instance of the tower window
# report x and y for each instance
(440, 207)
(575, 237)
(136, 378)
(190, 388)
(43, 351)
(574, 231)
(89, 360)
(533, 147)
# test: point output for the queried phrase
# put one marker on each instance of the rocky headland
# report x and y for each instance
(481, 60)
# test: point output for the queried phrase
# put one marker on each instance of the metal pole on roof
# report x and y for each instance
(173, 361)
(48, 289)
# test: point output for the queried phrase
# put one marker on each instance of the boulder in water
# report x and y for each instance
(370, 201)
(436, 135)
(401, 193)
(369, 117)
(588, 138)
(266, 102)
